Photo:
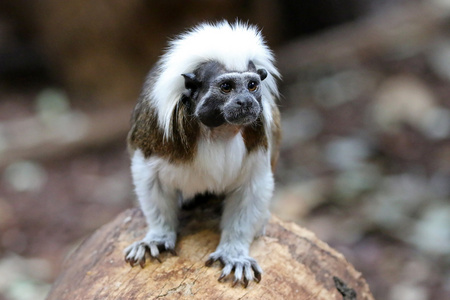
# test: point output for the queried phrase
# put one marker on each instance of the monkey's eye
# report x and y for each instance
(252, 86)
(226, 87)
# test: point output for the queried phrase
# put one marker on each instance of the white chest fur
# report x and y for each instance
(219, 165)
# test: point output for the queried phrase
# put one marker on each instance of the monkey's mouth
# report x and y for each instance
(237, 115)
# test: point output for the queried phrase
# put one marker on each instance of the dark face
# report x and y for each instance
(220, 97)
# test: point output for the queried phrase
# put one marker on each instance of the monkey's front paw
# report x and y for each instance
(245, 267)
(135, 253)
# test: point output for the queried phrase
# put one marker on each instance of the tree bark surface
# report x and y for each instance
(296, 264)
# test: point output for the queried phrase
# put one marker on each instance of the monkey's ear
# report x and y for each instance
(190, 81)
(262, 74)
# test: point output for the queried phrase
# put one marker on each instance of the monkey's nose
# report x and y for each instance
(244, 103)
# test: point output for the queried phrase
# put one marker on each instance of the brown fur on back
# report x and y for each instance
(146, 135)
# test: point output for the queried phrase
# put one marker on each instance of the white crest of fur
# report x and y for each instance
(233, 45)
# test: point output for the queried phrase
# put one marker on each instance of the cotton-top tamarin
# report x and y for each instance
(207, 122)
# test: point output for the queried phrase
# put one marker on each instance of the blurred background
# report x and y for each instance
(365, 160)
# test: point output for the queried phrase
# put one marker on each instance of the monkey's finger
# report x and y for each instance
(154, 250)
(130, 260)
(227, 269)
(168, 246)
(129, 248)
(256, 268)
(238, 272)
(140, 252)
(131, 253)
(127, 252)
(248, 274)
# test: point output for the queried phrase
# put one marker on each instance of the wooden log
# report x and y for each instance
(297, 265)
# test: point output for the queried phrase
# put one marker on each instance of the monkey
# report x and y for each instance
(207, 122)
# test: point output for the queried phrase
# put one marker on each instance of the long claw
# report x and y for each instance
(222, 276)
(235, 282)
(257, 276)
(245, 283)
(153, 249)
(173, 252)
(209, 262)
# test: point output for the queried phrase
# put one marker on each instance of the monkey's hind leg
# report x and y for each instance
(160, 208)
